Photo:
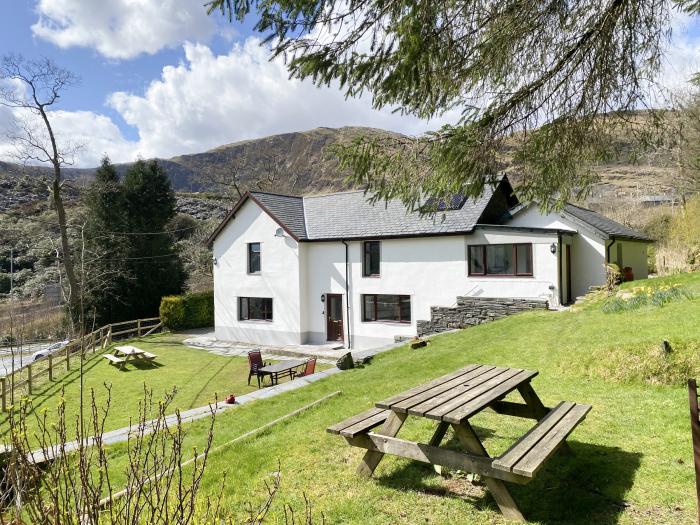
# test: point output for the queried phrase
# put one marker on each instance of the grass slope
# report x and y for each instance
(632, 460)
(198, 376)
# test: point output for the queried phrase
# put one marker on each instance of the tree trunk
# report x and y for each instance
(73, 290)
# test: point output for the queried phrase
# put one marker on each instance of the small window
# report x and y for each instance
(255, 308)
(370, 258)
(501, 259)
(254, 257)
(395, 308)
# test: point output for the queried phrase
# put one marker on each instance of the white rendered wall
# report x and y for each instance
(543, 284)
(279, 279)
(634, 255)
(433, 271)
(587, 249)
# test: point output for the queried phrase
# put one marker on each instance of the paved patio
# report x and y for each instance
(328, 353)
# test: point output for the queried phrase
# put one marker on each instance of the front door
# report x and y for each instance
(334, 317)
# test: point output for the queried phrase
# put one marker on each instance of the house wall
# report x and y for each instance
(634, 255)
(587, 247)
(542, 285)
(433, 271)
(279, 279)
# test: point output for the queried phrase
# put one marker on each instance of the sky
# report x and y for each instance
(161, 78)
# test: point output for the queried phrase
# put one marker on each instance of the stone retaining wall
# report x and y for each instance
(474, 310)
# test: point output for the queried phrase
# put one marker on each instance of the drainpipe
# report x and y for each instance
(559, 254)
(607, 249)
(347, 292)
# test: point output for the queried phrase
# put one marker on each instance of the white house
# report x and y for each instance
(298, 270)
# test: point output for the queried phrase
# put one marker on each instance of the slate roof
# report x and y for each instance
(287, 208)
(603, 224)
(349, 216)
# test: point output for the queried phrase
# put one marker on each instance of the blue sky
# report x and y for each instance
(167, 81)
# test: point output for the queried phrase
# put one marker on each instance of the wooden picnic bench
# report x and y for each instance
(114, 360)
(451, 400)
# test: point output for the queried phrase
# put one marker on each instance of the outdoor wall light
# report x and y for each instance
(213, 259)
(553, 248)
(323, 297)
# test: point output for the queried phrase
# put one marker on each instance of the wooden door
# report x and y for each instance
(334, 317)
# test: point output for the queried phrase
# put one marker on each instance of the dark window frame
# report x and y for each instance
(398, 309)
(366, 252)
(244, 311)
(486, 273)
(250, 253)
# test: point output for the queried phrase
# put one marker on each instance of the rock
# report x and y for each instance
(345, 362)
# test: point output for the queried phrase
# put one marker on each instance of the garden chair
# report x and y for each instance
(255, 363)
(308, 369)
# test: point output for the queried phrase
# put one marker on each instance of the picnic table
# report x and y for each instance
(128, 353)
(451, 401)
(281, 369)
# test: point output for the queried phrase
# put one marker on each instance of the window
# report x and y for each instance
(395, 308)
(254, 257)
(501, 259)
(370, 259)
(255, 309)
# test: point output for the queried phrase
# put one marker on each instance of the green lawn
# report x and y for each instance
(198, 376)
(632, 460)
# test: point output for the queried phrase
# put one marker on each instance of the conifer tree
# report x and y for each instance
(107, 246)
(153, 262)
(554, 81)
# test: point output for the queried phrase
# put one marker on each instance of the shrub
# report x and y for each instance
(645, 296)
(613, 277)
(194, 310)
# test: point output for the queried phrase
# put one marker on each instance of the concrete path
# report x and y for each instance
(206, 341)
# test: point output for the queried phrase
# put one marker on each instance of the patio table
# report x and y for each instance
(451, 401)
(129, 352)
(281, 369)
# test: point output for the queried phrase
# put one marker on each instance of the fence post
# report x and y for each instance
(50, 367)
(138, 327)
(92, 341)
(108, 341)
(67, 357)
(29, 379)
(3, 389)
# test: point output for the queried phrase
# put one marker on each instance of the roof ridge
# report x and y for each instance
(332, 193)
(257, 192)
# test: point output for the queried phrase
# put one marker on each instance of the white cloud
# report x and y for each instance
(122, 29)
(210, 100)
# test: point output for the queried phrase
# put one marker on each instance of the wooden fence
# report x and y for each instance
(25, 379)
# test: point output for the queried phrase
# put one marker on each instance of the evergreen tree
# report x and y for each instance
(556, 79)
(107, 275)
(153, 261)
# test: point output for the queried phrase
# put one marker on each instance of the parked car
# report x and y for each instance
(49, 349)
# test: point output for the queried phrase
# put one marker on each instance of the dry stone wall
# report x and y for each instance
(475, 310)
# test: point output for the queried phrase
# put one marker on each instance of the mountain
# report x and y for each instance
(298, 162)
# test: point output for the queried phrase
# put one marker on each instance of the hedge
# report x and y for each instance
(192, 310)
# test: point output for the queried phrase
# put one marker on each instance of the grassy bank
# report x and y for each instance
(632, 461)
(197, 376)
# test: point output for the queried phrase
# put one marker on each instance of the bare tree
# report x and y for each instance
(32, 88)
(241, 172)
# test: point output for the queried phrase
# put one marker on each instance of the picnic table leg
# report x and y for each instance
(535, 403)
(371, 459)
(471, 443)
(435, 441)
